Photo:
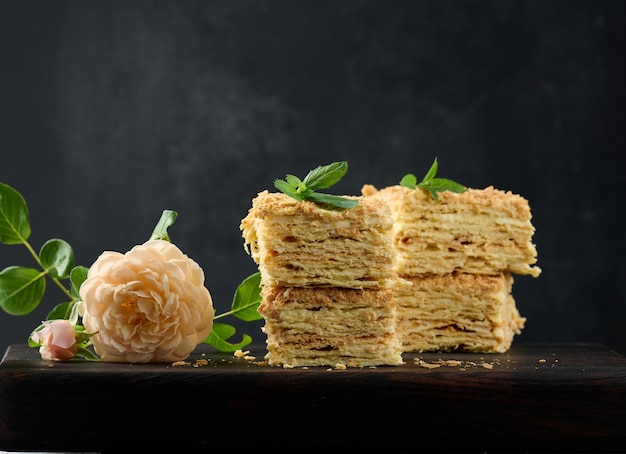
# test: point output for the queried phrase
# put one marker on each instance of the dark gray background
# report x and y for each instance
(113, 111)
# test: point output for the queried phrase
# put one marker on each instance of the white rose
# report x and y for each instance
(148, 305)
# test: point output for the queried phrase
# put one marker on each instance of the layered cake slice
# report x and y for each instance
(479, 231)
(458, 252)
(312, 326)
(458, 312)
(299, 244)
(327, 279)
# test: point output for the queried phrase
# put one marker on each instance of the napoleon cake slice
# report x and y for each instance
(458, 312)
(299, 244)
(479, 231)
(314, 326)
(458, 251)
(327, 281)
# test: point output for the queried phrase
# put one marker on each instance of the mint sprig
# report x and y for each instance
(322, 177)
(431, 183)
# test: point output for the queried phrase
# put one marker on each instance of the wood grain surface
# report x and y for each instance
(536, 397)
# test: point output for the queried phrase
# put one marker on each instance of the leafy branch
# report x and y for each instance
(22, 288)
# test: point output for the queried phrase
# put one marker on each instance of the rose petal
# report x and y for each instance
(63, 334)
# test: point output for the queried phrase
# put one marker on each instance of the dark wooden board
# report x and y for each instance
(536, 397)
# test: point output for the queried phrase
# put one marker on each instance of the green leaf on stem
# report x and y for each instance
(86, 354)
(247, 298)
(78, 275)
(244, 306)
(61, 311)
(21, 289)
(14, 220)
(57, 257)
(219, 335)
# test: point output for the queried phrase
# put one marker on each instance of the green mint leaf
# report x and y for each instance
(219, 335)
(14, 220)
(21, 289)
(323, 177)
(296, 183)
(432, 192)
(319, 178)
(437, 185)
(288, 189)
(333, 200)
(247, 298)
(409, 181)
(78, 275)
(444, 184)
(57, 257)
(168, 217)
(432, 171)
(431, 183)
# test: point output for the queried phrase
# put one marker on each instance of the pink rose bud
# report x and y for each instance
(58, 340)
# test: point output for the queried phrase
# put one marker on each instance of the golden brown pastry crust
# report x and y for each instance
(300, 244)
(458, 312)
(399, 272)
(458, 254)
(326, 326)
(480, 231)
(327, 281)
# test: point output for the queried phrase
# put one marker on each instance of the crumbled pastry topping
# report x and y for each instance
(452, 362)
(426, 365)
(462, 365)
